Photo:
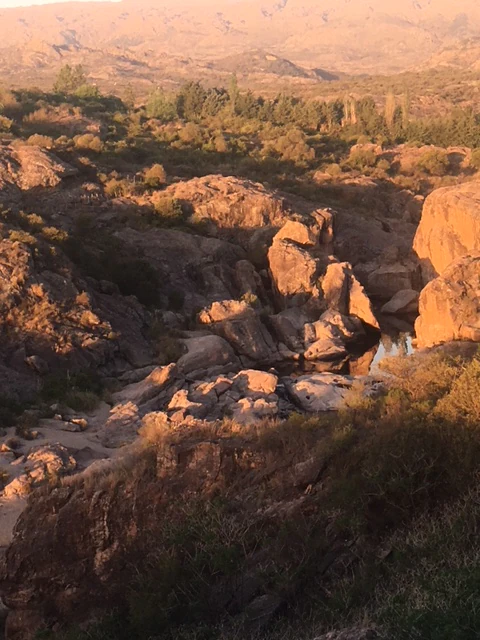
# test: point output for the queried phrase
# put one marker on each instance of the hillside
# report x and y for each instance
(259, 61)
(239, 355)
(368, 37)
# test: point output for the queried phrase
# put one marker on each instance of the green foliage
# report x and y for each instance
(475, 159)
(10, 409)
(80, 390)
(70, 79)
(23, 237)
(120, 187)
(362, 158)
(6, 124)
(292, 147)
(159, 106)
(89, 141)
(87, 92)
(44, 142)
(155, 176)
(434, 162)
(168, 212)
(333, 170)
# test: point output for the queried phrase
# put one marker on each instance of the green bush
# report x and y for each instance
(89, 141)
(44, 142)
(155, 176)
(334, 170)
(81, 388)
(6, 124)
(362, 159)
(434, 162)
(121, 188)
(475, 159)
(22, 236)
(168, 212)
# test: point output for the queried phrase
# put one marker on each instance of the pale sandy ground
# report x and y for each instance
(84, 446)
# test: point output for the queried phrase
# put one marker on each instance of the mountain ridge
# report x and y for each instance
(343, 36)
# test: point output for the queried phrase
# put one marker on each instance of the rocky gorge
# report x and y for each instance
(261, 306)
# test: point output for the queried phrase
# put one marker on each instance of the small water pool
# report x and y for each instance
(391, 346)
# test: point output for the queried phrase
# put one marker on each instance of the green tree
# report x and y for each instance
(129, 97)
(190, 100)
(233, 93)
(159, 106)
(70, 79)
(390, 110)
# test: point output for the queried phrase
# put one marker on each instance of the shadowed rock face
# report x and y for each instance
(449, 305)
(449, 228)
(98, 526)
(56, 320)
(87, 535)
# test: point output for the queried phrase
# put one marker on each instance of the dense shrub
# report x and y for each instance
(475, 159)
(434, 162)
(44, 142)
(362, 159)
(155, 176)
(89, 141)
(168, 212)
(121, 187)
(6, 124)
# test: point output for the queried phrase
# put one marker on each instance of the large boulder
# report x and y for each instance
(344, 293)
(449, 228)
(449, 305)
(25, 167)
(193, 270)
(149, 388)
(206, 356)
(298, 255)
(238, 323)
(318, 392)
(386, 280)
(43, 463)
(293, 269)
(230, 203)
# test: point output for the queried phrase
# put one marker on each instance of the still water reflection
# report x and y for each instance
(391, 346)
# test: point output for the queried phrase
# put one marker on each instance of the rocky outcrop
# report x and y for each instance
(239, 324)
(193, 270)
(42, 463)
(24, 167)
(99, 524)
(344, 293)
(207, 355)
(387, 279)
(303, 271)
(449, 228)
(449, 305)
(297, 257)
(48, 320)
(318, 392)
(230, 203)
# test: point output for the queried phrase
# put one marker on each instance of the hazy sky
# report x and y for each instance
(26, 3)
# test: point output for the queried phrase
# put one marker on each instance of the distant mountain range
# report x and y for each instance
(155, 39)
